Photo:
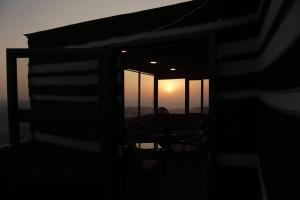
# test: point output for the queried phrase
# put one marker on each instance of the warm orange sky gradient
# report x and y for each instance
(171, 93)
(20, 17)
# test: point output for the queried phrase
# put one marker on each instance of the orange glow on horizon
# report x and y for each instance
(171, 92)
(170, 85)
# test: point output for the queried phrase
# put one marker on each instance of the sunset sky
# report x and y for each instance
(20, 17)
(171, 92)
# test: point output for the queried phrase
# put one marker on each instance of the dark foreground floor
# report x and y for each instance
(54, 172)
(188, 183)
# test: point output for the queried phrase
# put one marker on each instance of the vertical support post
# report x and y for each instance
(12, 99)
(212, 115)
(121, 97)
(155, 93)
(212, 93)
(110, 113)
(202, 97)
(187, 95)
(139, 94)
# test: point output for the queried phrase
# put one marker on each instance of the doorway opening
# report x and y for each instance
(167, 119)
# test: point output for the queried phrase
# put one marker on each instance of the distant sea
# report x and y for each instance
(133, 111)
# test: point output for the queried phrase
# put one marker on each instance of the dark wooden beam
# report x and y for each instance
(212, 136)
(27, 53)
(171, 75)
(187, 95)
(155, 102)
(202, 97)
(212, 98)
(12, 99)
(139, 93)
(111, 119)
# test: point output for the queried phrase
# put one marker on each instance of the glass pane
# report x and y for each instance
(195, 96)
(171, 95)
(131, 93)
(206, 96)
(147, 94)
(22, 76)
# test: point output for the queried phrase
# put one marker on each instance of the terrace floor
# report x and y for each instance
(48, 172)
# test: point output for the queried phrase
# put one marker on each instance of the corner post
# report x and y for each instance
(155, 106)
(12, 99)
(187, 95)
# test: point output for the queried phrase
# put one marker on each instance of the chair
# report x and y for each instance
(142, 163)
(189, 146)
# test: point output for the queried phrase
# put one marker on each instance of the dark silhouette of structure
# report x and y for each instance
(247, 49)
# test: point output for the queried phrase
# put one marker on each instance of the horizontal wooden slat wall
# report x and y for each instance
(258, 97)
(63, 84)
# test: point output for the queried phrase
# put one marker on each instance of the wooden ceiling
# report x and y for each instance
(187, 57)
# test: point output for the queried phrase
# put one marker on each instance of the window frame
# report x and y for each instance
(139, 73)
(187, 92)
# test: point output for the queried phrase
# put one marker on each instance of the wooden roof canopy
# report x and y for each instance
(187, 57)
(179, 58)
(144, 21)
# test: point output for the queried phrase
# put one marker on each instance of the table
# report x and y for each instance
(147, 145)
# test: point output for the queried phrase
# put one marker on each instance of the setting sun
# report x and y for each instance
(169, 88)
(171, 93)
